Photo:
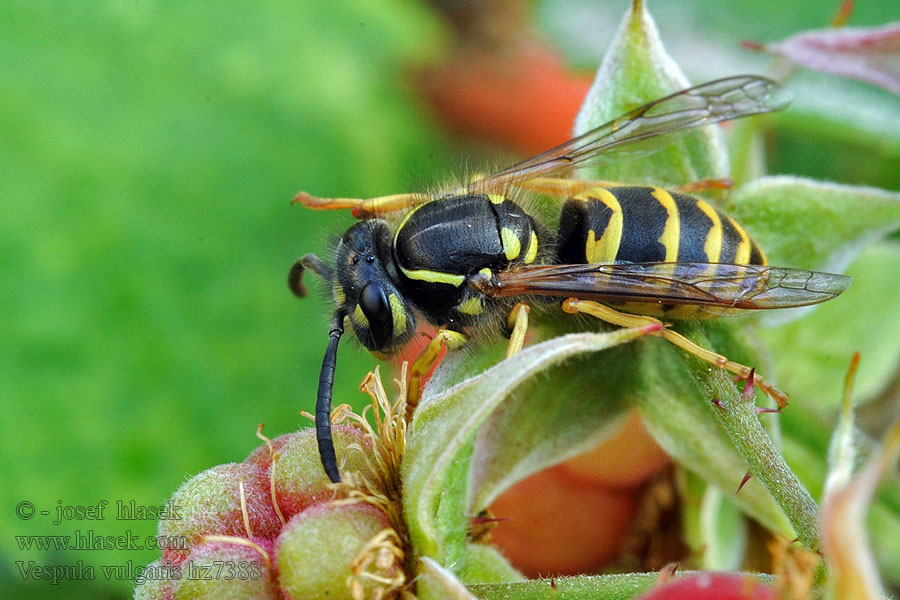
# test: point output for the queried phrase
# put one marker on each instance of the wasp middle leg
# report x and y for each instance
(517, 325)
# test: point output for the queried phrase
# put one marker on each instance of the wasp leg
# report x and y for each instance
(517, 324)
(366, 208)
(480, 526)
(724, 183)
(559, 187)
(605, 313)
(362, 208)
(426, 361)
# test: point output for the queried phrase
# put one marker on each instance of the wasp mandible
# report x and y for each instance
(461, 258)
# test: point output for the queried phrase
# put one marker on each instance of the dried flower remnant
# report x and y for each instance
(853, 572)
(870, 54)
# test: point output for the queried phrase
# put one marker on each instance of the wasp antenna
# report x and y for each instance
(295, 275)
(323, 399)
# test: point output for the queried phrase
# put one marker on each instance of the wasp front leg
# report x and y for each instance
(609, 315)
(516, 322)
(426, 361)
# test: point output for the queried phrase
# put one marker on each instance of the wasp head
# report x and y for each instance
(365, 290)
(362, 283)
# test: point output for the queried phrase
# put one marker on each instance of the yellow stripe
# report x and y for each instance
(472, 306)
(434, 276)
(531, 253)
(511, 244)
(671, 235)
(713, 245)
(656, 309)
(339, 296)
(742, 254)
(684, 311)
(496, 198)
(592, 250)
(404, 220)
(399, 314)
(606, 248)
(359, 317)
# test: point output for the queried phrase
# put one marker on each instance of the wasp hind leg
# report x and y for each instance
(564, 189)
(559, 187)
(363, 208)
(704, 185)
(609, 315)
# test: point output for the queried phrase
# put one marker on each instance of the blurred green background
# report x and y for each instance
(148, 155)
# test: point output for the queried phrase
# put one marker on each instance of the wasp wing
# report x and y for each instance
(724, 286)
(707, 103)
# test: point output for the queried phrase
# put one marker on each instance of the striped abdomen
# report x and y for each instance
(649, 224)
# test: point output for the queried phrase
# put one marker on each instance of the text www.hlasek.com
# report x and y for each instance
(88, 540)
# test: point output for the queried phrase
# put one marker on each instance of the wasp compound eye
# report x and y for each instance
(375, 306)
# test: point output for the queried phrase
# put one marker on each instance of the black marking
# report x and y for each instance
(511, 217)
(643, 221)
(577, 220)
(756, 255)
(731, 240)
(695, 228)
(453, 235)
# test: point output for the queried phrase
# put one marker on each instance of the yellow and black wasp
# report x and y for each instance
(461, 258)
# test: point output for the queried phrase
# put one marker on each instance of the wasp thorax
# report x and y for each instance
(365, 291)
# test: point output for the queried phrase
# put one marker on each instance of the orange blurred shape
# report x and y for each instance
(712, 586)
(625, 460)
(554, 524)
(525, 98)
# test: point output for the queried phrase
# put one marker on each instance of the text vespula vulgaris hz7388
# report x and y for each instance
(463, 257)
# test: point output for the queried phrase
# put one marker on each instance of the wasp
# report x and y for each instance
(622, 253)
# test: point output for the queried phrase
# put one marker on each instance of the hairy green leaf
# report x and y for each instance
(441, 434)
